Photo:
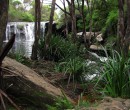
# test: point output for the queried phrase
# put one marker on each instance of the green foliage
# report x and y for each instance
(82, 103)
(98, 20)
(115, 76)
(16, 2)
(59, 48)
(45, 12)
(27, 17)
(111, 22)
(19, 57)
(112, 17)
(19, 14)
(111, 40)
(80, 24)
(61, 20)
(62, 103)
(75, 68)
(41, 44)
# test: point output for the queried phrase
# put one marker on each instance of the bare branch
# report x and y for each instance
(7, 47)
(63, 9)
(4, 94)
(69, 3)
(2, 102)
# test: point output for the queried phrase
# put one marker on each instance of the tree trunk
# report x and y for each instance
(4, 5)
(123, 34)
(37, 29)
(90, 25)
(84, 25)
(73, 19)
(121, 27)
(127, 35)
(49, 33)
(74, 30)
(66, 21)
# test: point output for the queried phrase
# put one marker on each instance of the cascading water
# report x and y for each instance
(24, 36)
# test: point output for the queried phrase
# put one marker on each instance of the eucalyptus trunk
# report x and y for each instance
(4, 5)
(127, 34)
(84, 25)
(49, 33)
(37, 29)
(73, 18)
(66, 21)
(120, 26)
(123, 33)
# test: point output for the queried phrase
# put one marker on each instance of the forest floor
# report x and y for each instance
(46, 70)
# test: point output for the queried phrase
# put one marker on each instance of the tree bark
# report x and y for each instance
(123, 33)
(66, 21)
(37, 29)
(127, 34)
(73, 19)
(4, 5)
(49, 33)
(74, 30)
(120, 27)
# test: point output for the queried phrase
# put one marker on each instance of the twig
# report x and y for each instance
(2, 102)
(5, 95)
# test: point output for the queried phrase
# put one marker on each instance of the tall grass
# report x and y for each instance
(115, 77)
(59, 48)
(75, 68)
(62, 103)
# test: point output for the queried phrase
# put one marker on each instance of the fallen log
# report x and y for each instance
(25, 73)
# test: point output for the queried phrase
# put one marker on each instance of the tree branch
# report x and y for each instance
(63, 9)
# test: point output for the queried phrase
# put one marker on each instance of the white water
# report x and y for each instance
(24, 36)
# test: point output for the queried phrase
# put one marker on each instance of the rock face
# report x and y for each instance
(109, 103)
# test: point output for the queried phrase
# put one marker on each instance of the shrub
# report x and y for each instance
(20, 58)
(59, 48)
(115, 76)
(74, 68)
(111, 22)
(19, 14)
(27, 17)
(62, 103)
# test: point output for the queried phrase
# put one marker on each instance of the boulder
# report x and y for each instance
(31, 78)
(99, 38)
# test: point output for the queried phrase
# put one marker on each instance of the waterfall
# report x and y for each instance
(24, 36)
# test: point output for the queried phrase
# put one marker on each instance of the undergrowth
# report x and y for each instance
(115, 78)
